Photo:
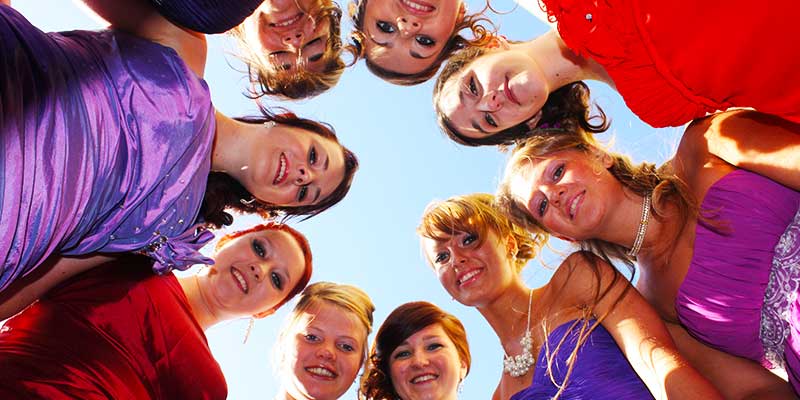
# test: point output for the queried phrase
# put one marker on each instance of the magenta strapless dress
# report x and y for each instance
(106, 142)
(740, 292)
(601, 371)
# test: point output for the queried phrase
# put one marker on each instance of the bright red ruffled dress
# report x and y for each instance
(115, 332)
(676, 61)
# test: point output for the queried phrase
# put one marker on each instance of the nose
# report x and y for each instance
(554, 193)
(419, 359)
(303, 175)
(491, 101)
(325, 352)
(294, 39)
(408, 26)
(257, 272)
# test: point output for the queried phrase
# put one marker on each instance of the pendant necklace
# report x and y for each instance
(520, 364)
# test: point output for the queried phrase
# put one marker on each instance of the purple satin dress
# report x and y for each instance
(740, 292)
(601, 373)
(106, 142)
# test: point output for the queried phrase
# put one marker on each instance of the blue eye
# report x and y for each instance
(402, 354)
(558, 173)
(346, 347)
(441, 257)
(469, 239)
(425, 41)
(490, 120)
(385, 27)
(542, 207)
(310, 337)
(433, 346)
(258, 248)
(301, 193)
(276, 281)
(312, 156)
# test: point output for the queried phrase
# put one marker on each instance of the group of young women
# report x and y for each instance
(117, 168)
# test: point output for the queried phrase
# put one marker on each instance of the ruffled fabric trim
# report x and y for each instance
(180, 252)
(610, 35)
(781, 294)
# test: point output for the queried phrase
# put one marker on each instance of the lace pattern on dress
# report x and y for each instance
(781, 293)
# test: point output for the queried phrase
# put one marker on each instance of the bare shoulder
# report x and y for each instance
(582, 276)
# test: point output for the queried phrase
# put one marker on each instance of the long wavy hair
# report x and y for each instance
(402, 323)
(223, 192)
(473, 22)
(567, 107)
(267, 79)
(643, 179)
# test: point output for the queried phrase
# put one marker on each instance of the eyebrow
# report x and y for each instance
(388, 45)
(418, 56)
(475, 124)
(316, 195)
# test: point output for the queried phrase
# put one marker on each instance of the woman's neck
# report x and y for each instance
(509, 325)
(229, 145)
(622, 225)
(559, 65)
(198, 302)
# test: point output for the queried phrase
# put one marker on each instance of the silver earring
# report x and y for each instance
(460, 386)
(269, 124)
(248, 329)
(248, 202)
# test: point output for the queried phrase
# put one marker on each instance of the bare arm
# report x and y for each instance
(736, 377)
(637, 329)
(30, 288)
(138, 17)
(764, 144)
(6, 2)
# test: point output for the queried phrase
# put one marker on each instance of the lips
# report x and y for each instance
(286, 22)
(282, 170)
(423, 378)
(322, 372)
(573, 205)
(240, 280)
(417, 7)
(468, 277)
(510, 93)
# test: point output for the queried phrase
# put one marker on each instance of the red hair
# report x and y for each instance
(301, 241)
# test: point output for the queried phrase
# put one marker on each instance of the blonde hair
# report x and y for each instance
(644, 179)
(348, 298)
(475, 213)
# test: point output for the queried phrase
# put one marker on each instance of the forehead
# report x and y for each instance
(452, 103)
(397, 58)
(333, 320)
(433, 331)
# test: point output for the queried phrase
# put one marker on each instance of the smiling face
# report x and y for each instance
(569, 192)
(286, 33)
(497, 91)
(253, 273)
(473, 271)
(406, 36)
(427, 366)
(324, 351)
(290, 166)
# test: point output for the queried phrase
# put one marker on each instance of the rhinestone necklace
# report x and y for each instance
(519, 364)
(637, 243)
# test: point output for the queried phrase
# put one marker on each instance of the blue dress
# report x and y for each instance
(106, 142)
(601, 371)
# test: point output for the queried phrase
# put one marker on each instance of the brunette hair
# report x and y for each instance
(301, 241)
(566, 108)
(225, 192)
(644, 179)
(476, 213)
(404, 321)
(300, 83)
(456, 42)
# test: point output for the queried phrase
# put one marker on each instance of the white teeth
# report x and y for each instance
(281, 170)
(287, 22)
(240, 278)
(424, 378)
(574, 206)
(468, 276)
(321, 371)
(417, 6)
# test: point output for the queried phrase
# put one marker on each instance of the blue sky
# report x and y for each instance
(369, 239)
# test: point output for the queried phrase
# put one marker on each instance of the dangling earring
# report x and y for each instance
(269, 124)
(249, 329)
(460, 387)
(248, 202)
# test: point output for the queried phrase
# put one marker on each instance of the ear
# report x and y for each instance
(463, 372)
(605, 159)
(531, 123)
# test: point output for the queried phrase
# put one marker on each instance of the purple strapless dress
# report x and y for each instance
(601, 372)
(106, 142)
(740, 292)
